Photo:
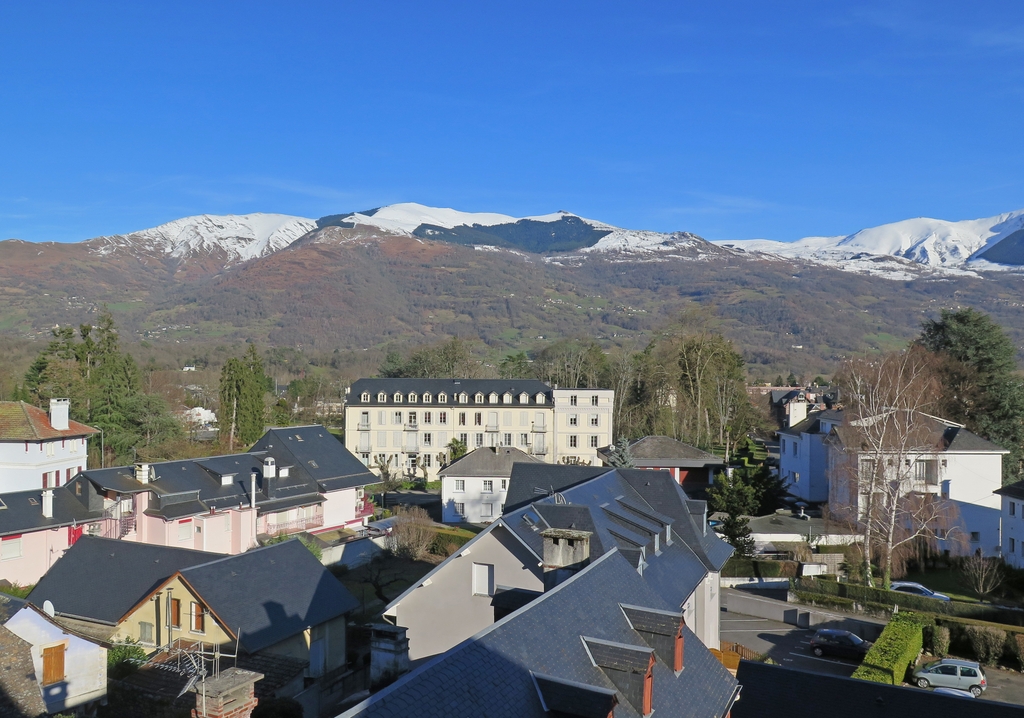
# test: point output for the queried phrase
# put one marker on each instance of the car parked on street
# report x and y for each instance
(916, 589)
(952, 673)
(844, 644)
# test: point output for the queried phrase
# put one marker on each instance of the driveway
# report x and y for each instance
(787, 645)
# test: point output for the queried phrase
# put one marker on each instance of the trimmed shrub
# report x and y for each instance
(740, 567)
(987, 642)
(817, 599)
(1018, 648)
(445, 544)
(831, 548)
(124, 658)
(894, 652)
(940, 641)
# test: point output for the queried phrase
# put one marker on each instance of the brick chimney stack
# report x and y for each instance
(229, 695)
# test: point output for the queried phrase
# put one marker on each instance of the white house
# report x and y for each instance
(409, 422)
(1012, 522)
(40, 450)
(802, 456)
(953, 463)
(70, 670)
(473, 489)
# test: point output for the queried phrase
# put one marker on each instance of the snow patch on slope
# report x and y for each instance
(405, 217)
(241, 237)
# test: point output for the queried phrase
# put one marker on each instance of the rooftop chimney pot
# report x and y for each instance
(59, 413)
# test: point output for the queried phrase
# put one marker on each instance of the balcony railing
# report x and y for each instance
(361, 426)
(540, 428)
(492, 427)
(289, 527)
(412, 426)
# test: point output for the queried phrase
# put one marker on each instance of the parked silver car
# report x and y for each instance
(952, 673)
(916, 589)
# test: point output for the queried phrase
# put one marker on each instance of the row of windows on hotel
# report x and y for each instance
(400, 440)
(51, 446)
(463, 398)
(462, 418)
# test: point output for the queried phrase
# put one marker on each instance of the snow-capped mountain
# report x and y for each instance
(236, 238)
(978, 244)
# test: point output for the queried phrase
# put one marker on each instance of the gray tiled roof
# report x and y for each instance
(488, 461)
(812, 424)
(270, 593)
(527, 478)
(451, 387)
(320, 455)
(778, 692)
(24, 511)
(1014, 490)
(102, 579)
(492, 673)
(665, 447)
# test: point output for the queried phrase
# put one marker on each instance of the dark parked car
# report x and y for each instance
(833, 642)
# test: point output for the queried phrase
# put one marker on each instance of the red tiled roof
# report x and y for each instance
(23, 422)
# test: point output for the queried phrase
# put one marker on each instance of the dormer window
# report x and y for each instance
(382, 397)
(412, 397)
(365, 397)
(493, 398)
(463, 398)
(539, 398)
(398, 397)
(479, 398)
(524, 398)
(442, 398)
(426, 398)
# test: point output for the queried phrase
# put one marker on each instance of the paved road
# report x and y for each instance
(787, 645)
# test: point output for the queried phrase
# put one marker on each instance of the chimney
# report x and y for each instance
(566, 551)
(796, 411)
(47, 503)
(228, 695)
(269, 468)
(142, 473)
(59, 410)
(389, 654)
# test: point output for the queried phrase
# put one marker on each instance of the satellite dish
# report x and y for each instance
(48, 608)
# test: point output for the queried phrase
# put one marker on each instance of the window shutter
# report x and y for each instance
(53, 665)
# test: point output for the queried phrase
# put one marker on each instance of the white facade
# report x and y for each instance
(409, 422)
(40, 450)
(803, 462)
(967, 478)
(1012, 524)
(472, 499)
(84, 662)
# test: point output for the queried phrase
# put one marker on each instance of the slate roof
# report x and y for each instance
(315, 460)
(488, 461)
(812, 424)
(23, 422)
(270, 593)
(665, 448)
(20, 696)
(527, 478)
(941, 434)
(102, 579)
(23, 511)
(451, 387)
(493, 673)
(777, 692)
(1014, 490)
(788, 524)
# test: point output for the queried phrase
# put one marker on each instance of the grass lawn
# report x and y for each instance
(945, 581)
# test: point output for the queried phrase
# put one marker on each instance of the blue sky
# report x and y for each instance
(731, 120)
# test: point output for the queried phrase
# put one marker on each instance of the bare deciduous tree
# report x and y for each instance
(410, 534)
(884, 467)
(982, 574)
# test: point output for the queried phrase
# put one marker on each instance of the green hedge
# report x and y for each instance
(739, 567)
(960, 643)
(818, 599)
(831, 548)
(864, 595)
(442, 540)
(894, 652)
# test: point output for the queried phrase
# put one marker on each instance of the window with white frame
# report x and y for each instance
(539, 398)
(593, 400)
(428, 439)
(524, 398)
(426, 397)
(10, 547)
(442, 417)
(593, 442)
(595, 419)
(463, 398)
(460, 508)
(146, 632)
(524, 439)
(365, 397)
(442, 398)
(478, 418)
(426, 460)
(506, 439)
(488, 486)
(462, 418)
(479, 440)
(572, 400)
(479, 398)
(504, 484)
(428, 417)
(397, 397)
(486, 510)
(412, 398)
(493, 398)
(507, 399)
(460, 485)
(412, 418)
(573, 441)
(1013, 508)
(382, 397)
(396, 418)
(464, 438)
(574, 420)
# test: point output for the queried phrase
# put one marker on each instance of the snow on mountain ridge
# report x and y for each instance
(241, 237)
(405, 217)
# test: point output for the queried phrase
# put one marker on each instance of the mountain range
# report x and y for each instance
(408, 273)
